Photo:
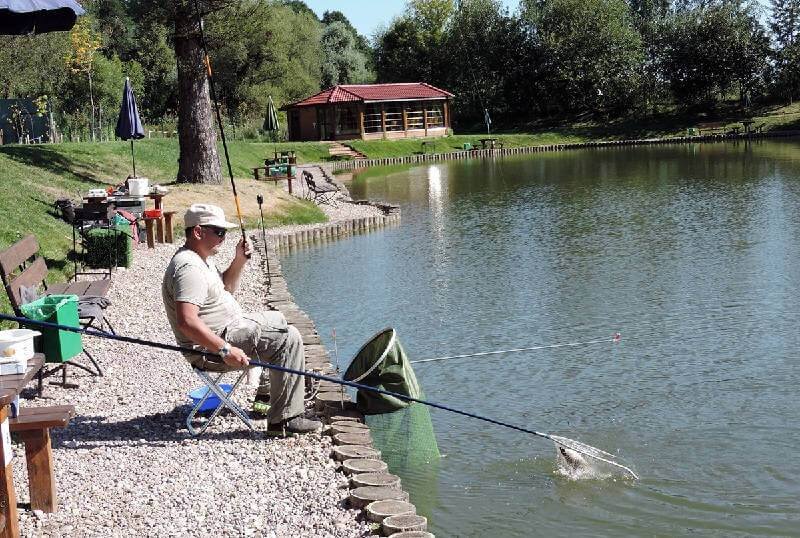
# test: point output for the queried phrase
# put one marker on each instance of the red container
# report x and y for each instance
(152, 213)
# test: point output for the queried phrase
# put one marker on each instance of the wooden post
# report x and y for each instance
(8, 497)
(361, 120)
(148, 223)
(168, 226)
(383, 119)
(39, 458)
(446, 110)
(425, 117)
(160, 229)
(405, 120)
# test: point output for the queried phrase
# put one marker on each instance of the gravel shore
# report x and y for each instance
(346, 210)
(126, 466)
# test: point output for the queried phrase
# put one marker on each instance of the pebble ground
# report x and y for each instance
(126, 465)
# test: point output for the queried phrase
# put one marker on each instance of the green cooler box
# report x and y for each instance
(57, 345)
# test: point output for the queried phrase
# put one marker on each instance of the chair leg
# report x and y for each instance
(225, 402)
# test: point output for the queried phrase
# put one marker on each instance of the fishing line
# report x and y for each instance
(615, 338)
(577, 446)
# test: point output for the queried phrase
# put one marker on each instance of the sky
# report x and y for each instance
(369, 15)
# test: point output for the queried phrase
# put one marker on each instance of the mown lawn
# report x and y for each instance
(33, 177)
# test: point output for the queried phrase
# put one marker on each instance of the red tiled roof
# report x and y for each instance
(399, 91)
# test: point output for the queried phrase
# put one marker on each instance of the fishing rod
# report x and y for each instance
(571, 444)
(615, 338)
(260, 200)
(209, 73)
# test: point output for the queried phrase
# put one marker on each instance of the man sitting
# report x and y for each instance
(204, 315)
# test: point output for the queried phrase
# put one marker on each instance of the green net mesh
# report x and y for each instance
(403, 431)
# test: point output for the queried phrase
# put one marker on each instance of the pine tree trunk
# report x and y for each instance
(198, 161)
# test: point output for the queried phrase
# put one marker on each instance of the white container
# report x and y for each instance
(13, 365)
(138, 186)
(17, 344)
(97, 193)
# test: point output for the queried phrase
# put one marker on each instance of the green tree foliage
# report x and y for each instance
(708, 51)
(591, 52)
(401, 54)
(482, 46)
(785, 26)
(261, 48)
(410, 50)
(343, 62)
(33, 65)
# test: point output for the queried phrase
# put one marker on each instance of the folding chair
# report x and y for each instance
(226, 401)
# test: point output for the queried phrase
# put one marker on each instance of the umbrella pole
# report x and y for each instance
(133, 158)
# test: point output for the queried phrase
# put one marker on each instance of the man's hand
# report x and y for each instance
(236, 357)
(244, 249)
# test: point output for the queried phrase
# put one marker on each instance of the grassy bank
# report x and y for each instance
(667, 125)
(33, 177)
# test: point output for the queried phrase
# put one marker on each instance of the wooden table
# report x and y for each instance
(488, 143)
(158, 202)
(10, 387)
(748, 125)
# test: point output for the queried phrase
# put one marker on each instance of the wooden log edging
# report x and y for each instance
(488, 153)
(377, 493)
(335, 230)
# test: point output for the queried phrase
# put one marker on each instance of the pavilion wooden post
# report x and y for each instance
(425, 117)
(405, 120)
(361, 120)
(383, 119)
(446, 109)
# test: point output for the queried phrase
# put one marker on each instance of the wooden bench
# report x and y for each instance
(33, 428)
(717, 127)
(22, 266)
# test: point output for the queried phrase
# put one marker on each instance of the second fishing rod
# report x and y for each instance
(577, 446)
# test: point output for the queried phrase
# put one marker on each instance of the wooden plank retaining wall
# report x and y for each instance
(328, 232)
(379, 494)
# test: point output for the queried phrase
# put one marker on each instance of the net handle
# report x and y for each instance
(380, 359)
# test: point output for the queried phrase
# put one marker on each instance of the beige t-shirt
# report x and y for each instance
(189, 279)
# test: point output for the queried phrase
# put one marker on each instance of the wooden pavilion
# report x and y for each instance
(371, 111)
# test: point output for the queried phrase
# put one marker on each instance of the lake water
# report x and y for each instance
(690, 251)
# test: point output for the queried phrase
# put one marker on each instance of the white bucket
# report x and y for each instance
(138, 186)
(17, 344)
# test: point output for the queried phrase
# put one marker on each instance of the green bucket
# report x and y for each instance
(57, 345)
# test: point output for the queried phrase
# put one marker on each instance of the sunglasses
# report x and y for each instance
(219, 232)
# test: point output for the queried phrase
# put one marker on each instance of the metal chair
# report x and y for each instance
(226, 401)
(321, 194)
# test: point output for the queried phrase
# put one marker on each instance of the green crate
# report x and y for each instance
(108, 247)
(57, 345)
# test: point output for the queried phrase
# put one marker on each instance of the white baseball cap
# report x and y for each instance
(206, 215)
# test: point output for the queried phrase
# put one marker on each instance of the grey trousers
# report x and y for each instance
(267, 337)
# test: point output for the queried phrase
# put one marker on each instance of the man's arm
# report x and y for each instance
(190, 324)
(232, 275)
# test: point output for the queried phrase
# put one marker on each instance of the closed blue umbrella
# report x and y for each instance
(22, 17)
(129, 126)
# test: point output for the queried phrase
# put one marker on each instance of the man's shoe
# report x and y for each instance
(298, 424)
